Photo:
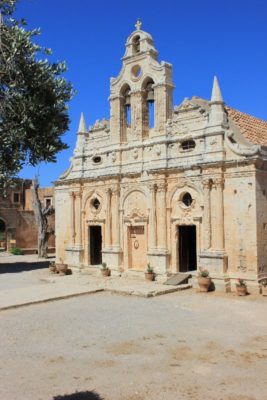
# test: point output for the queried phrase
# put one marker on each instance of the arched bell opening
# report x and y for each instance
(136, 45)
(148, 106)
(126, 112)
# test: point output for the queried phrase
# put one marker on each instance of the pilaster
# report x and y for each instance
(152, 218)
(136, 117)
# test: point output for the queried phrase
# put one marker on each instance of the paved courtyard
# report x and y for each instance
(183, 345)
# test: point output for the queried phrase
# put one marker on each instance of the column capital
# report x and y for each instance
(206, 183)
(152, 187)
(115, 190)
(161, 187)
(218, 182)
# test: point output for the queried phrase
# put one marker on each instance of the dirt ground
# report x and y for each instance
(185, 345)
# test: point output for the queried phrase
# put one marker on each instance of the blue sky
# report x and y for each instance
(200, 38)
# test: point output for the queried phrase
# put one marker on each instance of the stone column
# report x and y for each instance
(161, 215)
(116, 118)
(152, 218)
(136, 117)
(108, 220)
(72, 218)
(206, 217)
(115, 217)
(218, 185)
(163, 106)
(78, 197)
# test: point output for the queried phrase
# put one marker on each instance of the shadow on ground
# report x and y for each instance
(80, 396)
(14, 267)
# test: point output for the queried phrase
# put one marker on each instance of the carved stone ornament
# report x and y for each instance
(113, 156)
(161, 187)
(187, 209)
(135, 213)
(135, 153)
(218, 183)
(185, 105)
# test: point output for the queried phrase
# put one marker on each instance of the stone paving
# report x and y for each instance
(43, 286)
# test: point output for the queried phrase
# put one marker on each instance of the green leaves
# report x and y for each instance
(33, 98)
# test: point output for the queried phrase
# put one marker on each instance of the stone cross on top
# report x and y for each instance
(138, 24)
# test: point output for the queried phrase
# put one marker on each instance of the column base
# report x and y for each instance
(216, 261)
(112, 257)
(159, 260)
(74, 255)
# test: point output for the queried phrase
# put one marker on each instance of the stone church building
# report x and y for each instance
(177, 187)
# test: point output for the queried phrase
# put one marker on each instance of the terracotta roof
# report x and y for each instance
(254, 129)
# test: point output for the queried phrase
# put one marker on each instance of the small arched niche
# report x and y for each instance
(136, 44)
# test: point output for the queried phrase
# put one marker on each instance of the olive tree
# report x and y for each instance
(34, 98)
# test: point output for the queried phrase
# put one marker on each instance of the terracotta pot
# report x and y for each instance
(204, 283)
(264, 290)
(149, 276)
(62, 269)
(241, 290)
(105, 272)
(53, 269)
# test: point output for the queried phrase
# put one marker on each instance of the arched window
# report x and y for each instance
(136, 44)
(148, 106)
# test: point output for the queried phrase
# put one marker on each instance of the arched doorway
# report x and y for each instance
(2, 235)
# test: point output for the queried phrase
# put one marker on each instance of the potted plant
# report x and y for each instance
(263, 283)
(61, 268)
(52, 267)
(204, 280)
(149, 274)
(105, 270)
(241, 287)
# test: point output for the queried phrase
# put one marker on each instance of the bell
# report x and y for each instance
(150, 96)
(128, 100)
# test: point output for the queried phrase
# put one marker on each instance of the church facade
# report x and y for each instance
(177, 187)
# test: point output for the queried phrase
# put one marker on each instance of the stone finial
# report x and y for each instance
(217, 114)
(216, 95)
(138, 24)
(82, 125)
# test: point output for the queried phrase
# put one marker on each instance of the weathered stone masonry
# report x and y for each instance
(178, 187)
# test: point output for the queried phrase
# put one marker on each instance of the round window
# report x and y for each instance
(136, 71)
(97, 160)
(187, 199)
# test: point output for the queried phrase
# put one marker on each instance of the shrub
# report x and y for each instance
(16, 251)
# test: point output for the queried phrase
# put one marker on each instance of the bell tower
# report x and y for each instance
(141, 95)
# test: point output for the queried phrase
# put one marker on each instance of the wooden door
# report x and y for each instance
(137, 248)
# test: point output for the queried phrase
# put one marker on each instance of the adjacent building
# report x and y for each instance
(17, 222)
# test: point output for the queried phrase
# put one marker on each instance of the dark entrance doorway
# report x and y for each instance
(2, 234)
(187, 248)
(95, 245)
